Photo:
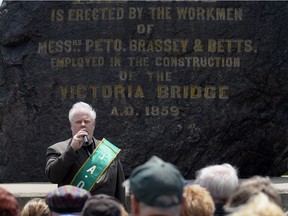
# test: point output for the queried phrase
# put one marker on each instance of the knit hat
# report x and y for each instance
(156, 183)
(101, 205)
(9, 205)
(67, 199)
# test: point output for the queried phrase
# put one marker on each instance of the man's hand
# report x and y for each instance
(77, 140)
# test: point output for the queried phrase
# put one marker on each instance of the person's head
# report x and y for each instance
(9, 205)
(197, 202)
(156, 188)
(82, 117)
(67, 199)
(35, 207)
(102, 205)
(258, 205)
(219, 180)
(250, 187)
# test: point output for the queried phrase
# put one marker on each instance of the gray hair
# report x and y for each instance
(219, 180)
(251, 186)
(82, 107)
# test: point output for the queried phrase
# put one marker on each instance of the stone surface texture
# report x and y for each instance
(223, 101)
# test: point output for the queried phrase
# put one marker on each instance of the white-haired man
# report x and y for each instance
(221, 181)
(84, 161)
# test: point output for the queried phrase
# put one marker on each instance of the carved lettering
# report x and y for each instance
(102, 91)
(160, 13)
(76, 62)
(198, 62)
(215, 14)
(161, 110)
(106, 45)
(158, 45)
(192, 92)
(92, 14)
(123, 111)
(230, 45)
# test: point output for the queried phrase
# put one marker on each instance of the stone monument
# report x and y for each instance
(193, 82)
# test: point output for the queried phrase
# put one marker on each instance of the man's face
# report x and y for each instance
(84, 121)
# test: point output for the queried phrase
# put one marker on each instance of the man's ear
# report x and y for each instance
(183, 203)
(135, 207)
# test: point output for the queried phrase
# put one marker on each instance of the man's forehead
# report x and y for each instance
(82, 115)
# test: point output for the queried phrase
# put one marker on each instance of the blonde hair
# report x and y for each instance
(259, 205)
(253, 186)
(198, 201)
(35, 207)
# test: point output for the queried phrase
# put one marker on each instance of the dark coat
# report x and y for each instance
(219, 210)
(63, 163)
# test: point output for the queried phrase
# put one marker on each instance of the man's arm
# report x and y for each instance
(58, 164)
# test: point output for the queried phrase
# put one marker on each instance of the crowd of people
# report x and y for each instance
(91, 182)
(157, 188)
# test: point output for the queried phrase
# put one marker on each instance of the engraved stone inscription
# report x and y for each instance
(195, 83)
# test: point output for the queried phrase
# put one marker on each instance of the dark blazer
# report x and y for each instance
(63, 163)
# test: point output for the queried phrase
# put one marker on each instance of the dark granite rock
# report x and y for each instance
(196, 83)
